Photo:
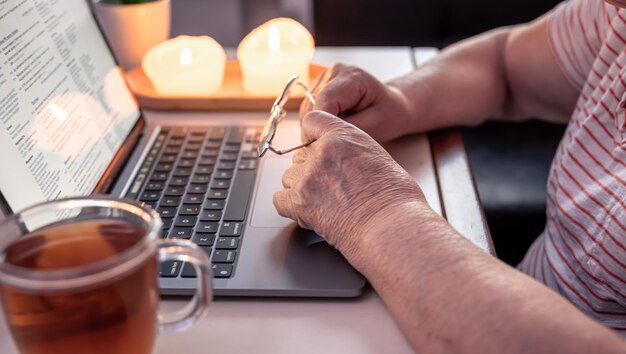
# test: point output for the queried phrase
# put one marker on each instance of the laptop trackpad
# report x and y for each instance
(263, 212)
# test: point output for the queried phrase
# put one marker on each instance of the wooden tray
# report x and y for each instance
(230, 97)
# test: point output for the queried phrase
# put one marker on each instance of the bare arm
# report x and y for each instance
(450, 297)
(506, 73)
(509, 73)
(445, 294)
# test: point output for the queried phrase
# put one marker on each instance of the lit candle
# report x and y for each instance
(272, 53)
(186, 66)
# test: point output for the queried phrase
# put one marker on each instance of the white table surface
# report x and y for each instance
(253, 325)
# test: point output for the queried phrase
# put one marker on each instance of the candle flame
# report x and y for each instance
(185, 57)
(273, 39)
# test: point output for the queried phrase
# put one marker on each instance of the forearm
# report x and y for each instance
(449, 296)
(509, 73)
(464, 85)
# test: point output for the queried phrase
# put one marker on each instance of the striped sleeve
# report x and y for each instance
(576, 31)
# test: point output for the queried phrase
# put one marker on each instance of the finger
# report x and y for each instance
(306, 106)
(291, 175)
(283, 204)
(317, 123)
(301, 155)
(352, 90)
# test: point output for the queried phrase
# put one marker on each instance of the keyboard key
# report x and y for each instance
(197, 189)
(230, 229)
(224, 256)
(152, 205)
(170, 269)
(159, 176)
(189, 210)
(229, 157)
(186, 163)
(174, 191)
(168, 159)
(210, 153)
(223, 174)
(207, 227)
(192, 146)
(207, 161)
(213, 145)
(188, 271)
(193, 199)
(155, 186)
(179, 181)
(185, 221)
(204, 170)
(203, 239)
(182, 172)
(238, 202)
(199, 131)
(166, 212)
(189, 154)
(207, 250)
(181, 232)
(227, 243)
(170, 150)
(222, 270)
(196, 139)
(231, 148)
(220, 184)
(210, 215)
(163, 167)
(247, 164)
(235, 137)
(217, 194)
(167, 223)
(217, 134)
(170, 201)
(201, 179)
(175, 142)
(150, 196)
(214, 204)
(249, 155)
(178, 132)
(223, 165)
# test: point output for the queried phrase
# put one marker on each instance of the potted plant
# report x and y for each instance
(133, 26)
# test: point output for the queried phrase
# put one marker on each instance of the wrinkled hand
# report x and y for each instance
(342, 183)
(348, 92)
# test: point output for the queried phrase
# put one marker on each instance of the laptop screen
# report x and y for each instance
(65, 109)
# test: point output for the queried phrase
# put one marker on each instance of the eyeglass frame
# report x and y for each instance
(277, 114)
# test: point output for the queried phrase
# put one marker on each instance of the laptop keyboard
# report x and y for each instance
(200, 181)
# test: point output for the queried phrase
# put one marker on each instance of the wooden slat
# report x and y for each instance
(459, 197)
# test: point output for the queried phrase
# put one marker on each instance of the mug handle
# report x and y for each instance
(185, 251)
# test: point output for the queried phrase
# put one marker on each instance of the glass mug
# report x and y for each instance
(79, 275)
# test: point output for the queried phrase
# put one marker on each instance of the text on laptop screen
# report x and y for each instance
(64, 107)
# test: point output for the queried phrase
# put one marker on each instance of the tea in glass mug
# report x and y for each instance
(80, 276)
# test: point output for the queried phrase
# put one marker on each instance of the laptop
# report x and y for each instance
(71, 127)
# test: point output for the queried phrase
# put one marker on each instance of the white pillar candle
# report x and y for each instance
(272, 53)
(186, 66)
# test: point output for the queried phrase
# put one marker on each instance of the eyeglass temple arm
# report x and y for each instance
(287, 150)
(307, 92)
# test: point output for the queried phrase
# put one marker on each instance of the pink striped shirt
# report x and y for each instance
(582, 252)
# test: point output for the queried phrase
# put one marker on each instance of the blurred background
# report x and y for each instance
(510, 161)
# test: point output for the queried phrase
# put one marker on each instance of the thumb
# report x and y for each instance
(317, 123)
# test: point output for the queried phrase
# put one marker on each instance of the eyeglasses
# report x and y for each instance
(277, 114)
